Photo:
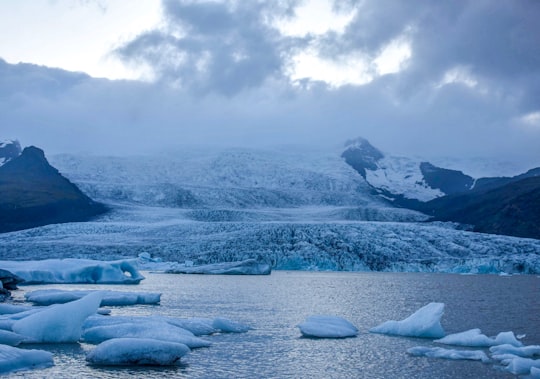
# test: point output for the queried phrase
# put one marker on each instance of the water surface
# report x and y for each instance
(273, 305)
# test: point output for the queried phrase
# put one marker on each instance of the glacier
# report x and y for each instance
(290, 208)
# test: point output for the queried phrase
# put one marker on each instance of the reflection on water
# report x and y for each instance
(275, 304)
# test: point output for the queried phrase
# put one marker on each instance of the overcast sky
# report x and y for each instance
(416, 77)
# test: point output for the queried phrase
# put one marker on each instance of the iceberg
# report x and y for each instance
(524, 351)
(58, 323)
(475, 338)
(10, 338)
(327, 327)
(109, 298)
(520, 365)
(425, 323)
(15, 359)
(228, 326)
(199, 326)
(6, 309)
(439, 352)
(162, 331)
(137, 351)
(72, 270)
(246, 267)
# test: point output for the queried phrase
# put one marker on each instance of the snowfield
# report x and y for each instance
(289, 208)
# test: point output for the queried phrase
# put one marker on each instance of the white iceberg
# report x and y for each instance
(109, 298)
(6, 309)
(327, 327)
(246, 267)
(439, 352)
(75, 271)
(475, 338)
(523, 351)
(58, 323)
(137, 351)
(227, 326)
(425, 322)
(10, 338)
(15, 359)
(520, 365)
(199, 326)
(162, 331)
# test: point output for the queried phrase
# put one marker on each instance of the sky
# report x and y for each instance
(424, 78)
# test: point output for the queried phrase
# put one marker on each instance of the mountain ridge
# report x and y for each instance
(34, 194)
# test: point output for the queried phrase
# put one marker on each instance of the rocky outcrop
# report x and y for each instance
(33, 193)
(361, 155)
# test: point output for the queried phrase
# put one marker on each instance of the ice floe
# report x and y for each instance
(522, 351)
(109, 298)
(58, 323)
(475, 338)
(157, 330)
(72, 270)
(327, 327)
(137, 351)
(425, 322)
(10, 338)
(15, 359)
(439, 352)
(245, 267)
(227, 326)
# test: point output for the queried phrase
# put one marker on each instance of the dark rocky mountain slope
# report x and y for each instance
(33, 193)
(511, 209)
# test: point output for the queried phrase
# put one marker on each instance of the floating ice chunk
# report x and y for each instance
(327, 327)
(197, 326)
(162, 331)
(58, 323)
(524, 351)
(246, 267)
(14, 359)
(471, 338)
(475, 338)
(228, 326)
(425, 322)
(75, 271)
(520, 365)
(137, 351)
(6, 309)
(439, 352)
(10, 338)
(109, 298)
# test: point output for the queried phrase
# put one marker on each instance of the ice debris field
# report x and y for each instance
(76, 316)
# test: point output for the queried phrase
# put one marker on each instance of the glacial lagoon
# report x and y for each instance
(273, 305)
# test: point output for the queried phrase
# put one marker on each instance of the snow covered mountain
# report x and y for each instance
(402, 176)
(289, 207)
(402, 179)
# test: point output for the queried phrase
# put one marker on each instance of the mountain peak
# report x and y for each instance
(361, 155)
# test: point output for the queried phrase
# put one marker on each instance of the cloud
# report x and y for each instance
(467, 83)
